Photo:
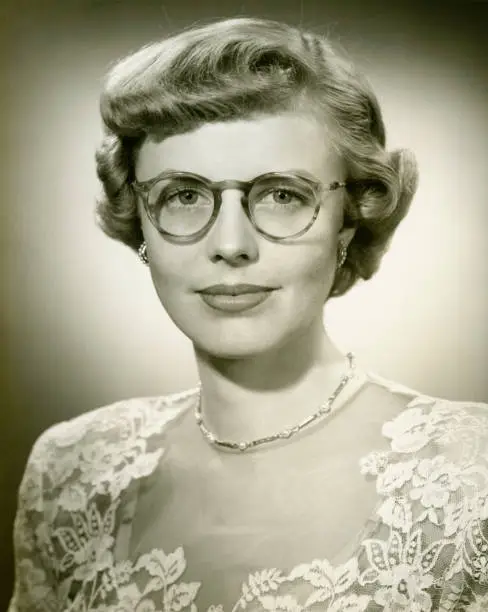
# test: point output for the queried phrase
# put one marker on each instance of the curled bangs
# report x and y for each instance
(192, 78)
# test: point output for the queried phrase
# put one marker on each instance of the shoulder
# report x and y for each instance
(115, 422)
(433, 482)
(426, 420)
(100, 445)
(428, 438)
(417, 418)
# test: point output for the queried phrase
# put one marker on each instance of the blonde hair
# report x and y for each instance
(243, 68)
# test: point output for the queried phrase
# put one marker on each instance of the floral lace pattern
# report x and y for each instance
(428, 551)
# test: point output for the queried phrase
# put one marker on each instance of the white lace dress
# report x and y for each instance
(116, 515)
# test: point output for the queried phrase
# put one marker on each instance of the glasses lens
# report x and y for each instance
(282, 206)
(180, 205)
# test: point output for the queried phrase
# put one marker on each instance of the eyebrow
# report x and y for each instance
(299, 171)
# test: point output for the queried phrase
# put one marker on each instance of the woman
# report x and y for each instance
(245, 161)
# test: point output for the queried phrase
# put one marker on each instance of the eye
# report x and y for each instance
(283, 196)
(281, 192)
(186, 197)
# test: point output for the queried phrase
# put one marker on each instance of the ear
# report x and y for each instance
(346, 235)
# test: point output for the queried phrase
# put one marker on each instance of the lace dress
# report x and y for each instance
(116, 514)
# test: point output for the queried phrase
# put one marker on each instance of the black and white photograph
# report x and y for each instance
(245, 261)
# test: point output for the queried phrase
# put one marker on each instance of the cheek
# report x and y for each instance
(168, 278)
(313, 269)
(315, 279)
(169, 272)
(171, 286)
(319, 259)
(169, 264)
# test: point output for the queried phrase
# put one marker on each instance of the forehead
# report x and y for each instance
(243, 149)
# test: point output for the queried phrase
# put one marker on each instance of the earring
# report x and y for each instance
(342, 255)
(142, 252)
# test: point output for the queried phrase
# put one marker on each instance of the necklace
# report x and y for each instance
(324, 410)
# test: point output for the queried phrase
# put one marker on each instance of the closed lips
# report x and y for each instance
(234, 289)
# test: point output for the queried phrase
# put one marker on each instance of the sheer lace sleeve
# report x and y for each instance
(463, 470)
(435, 485)
(34, 580)
(72, 500)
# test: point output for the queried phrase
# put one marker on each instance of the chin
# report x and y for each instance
(231, 352)
(234, 343)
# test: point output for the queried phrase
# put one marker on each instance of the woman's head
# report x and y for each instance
(249, 70)
(299, 270)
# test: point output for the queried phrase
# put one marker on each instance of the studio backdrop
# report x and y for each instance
(82, 324)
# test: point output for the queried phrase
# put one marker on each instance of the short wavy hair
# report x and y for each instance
(244, 68)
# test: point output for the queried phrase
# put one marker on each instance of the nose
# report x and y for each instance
(232, 237)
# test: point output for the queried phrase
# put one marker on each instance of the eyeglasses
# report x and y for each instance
(183, 206)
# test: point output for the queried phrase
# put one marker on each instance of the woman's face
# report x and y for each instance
(300, 271)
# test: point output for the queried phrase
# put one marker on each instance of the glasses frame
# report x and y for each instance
(217, 187)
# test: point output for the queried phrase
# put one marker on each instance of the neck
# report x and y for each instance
(251, 397)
